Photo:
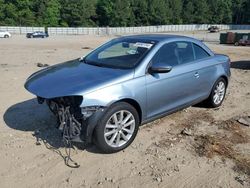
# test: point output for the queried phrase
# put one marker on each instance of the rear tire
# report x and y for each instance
(6, 36)
(117, 129)
(218, 93)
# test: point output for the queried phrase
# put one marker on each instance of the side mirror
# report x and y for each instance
(159, 69)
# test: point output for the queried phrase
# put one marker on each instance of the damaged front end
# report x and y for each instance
(77, 124)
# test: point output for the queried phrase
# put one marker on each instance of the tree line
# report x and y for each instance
(85, 13)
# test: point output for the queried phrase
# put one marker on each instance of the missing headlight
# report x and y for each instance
(40, 100)
(68, 113)
(90, 110)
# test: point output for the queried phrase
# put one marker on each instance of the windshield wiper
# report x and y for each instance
(99, 64)
(91, 63)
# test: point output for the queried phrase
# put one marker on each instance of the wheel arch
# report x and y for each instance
(94, 119)
(225, 78)
(133, 103)
(221, 76)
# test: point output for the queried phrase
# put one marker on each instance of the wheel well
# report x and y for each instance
(135, 104)
(226, 79)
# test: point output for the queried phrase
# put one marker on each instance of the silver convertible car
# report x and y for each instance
(129, 81)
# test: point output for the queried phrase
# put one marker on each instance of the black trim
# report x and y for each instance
(88, 125)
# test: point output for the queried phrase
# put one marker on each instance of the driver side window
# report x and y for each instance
(166, 55)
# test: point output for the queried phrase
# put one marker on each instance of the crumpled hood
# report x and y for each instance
(73, 78)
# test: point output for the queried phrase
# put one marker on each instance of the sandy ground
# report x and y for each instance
(214, 153)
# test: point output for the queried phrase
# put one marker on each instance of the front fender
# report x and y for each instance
(133, 89)
(89, 125)
(102, 98)
(106, 96)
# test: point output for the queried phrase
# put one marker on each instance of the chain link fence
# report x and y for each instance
(138, 30)
(21, 30)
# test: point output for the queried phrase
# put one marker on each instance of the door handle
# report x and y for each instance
(196, 75)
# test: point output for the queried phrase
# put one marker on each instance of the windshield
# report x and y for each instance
(120, 53)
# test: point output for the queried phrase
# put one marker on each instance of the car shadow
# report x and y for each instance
(202, 104)
(33, 117)
(244, 65)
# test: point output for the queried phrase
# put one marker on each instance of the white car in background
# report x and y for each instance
(4, 34)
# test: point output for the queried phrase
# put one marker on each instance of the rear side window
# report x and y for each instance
(200, 53)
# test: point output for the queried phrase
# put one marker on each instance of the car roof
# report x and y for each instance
(157, 37)
(166, 37)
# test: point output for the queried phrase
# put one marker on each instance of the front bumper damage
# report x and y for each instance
(77, 124)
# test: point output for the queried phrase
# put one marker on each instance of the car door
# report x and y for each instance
(172, 90)
(39, 35)
(35, 34)
(206, 69)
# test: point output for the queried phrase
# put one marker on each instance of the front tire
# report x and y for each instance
(6, 36)
(117, 128)
(218, 93)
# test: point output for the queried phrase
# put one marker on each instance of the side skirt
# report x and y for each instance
(173, 111)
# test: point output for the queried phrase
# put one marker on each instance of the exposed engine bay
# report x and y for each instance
(72, 121)
(69, 116)
(77, 124)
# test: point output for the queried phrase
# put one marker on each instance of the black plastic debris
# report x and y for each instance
(42, 65)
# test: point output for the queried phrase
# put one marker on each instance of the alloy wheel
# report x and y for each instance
(219, 92)
(119, 128)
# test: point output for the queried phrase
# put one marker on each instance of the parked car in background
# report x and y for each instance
(235, 38)
(244, 41)
(214, 29)
(129, 81)
(37, 34)
(4, 34)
